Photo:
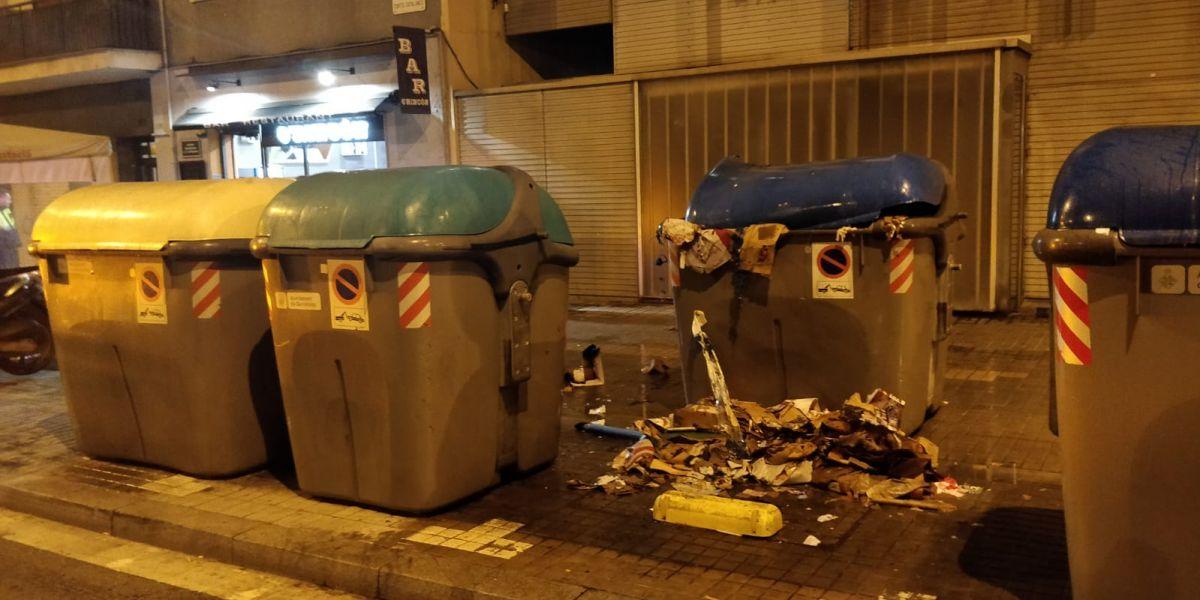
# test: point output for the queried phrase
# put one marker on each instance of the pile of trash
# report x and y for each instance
(856, 450)
(725, 447)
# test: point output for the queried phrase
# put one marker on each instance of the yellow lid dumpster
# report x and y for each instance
(160, 322)
(419, 318)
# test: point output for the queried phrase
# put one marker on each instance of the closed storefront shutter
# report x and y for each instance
(532, 16)
(590, 171)
(579, 144)
(1096, 64)
(653, 35)
(503, 129)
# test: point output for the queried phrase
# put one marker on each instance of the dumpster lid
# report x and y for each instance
(1143, 182)
(348, 210)
(820, 195)
(148, 216)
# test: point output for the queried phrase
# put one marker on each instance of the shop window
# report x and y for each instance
(270, 155)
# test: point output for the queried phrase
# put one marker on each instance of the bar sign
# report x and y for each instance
(412, 68)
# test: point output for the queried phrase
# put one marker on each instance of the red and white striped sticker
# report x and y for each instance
(673, 266)
(901, 264)
(1072, 323)
(206, 291)
(416, 307)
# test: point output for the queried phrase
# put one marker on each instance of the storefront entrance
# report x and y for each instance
(296, 149)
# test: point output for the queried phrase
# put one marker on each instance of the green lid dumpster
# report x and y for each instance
(818, 280)
(1122, 250)
(419, 317)
(160, 323)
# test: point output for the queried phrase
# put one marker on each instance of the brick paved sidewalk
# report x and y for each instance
(535, 538)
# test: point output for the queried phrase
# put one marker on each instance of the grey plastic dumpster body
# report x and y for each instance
(160, 325)
(446, 369)
(1122, 247)
(781, 337)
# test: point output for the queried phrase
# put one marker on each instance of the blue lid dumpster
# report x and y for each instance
(1122, 250)
(823, 279)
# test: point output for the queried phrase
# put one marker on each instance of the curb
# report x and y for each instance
(360, 567)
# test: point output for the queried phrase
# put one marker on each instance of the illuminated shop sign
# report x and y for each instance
(365, 128)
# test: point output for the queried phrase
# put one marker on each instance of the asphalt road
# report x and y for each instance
(32, 574)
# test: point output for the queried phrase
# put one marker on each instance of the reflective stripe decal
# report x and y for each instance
(902, 262)
(1072, 320)
(206, 291)
(413, 292)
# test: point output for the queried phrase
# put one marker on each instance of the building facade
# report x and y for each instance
(1000, 92)
(286, 89)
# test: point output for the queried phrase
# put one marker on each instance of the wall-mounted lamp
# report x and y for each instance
(327, 78)
(215, 84)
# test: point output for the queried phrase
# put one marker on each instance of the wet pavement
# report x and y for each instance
(1006, 542)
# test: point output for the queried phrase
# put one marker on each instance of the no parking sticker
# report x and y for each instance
(150, 291)
(833, 271)
(348, 295)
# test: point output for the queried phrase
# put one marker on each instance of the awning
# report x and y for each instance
(293, 110)
(20, 144)
(32, 155)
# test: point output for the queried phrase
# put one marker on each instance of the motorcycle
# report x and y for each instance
(26, 345)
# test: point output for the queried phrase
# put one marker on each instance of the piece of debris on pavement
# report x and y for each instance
(906, 596)
(657, 367)
(812, 540)
(826, 518)
(727, 515)
(590, 372)
(952, 487)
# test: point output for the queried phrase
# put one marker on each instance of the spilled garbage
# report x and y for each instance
(725, 447)
(590, 371)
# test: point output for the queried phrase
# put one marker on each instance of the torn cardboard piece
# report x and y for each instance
(757, 253)
(725, 417)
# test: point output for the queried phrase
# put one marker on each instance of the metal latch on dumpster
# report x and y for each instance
(517, 348)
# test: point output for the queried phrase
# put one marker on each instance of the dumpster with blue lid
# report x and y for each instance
(1122, 249)
(160, 325)
(858, 295)
(419, 318)
(820, 195)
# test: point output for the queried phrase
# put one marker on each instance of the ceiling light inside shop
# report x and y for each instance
(326, 77)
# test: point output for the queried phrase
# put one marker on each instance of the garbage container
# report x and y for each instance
(419, 318)
(841, 311)
(1122, 249)
(161, 328)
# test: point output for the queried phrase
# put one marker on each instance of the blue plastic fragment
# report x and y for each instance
(1143, 182)
(818, 195)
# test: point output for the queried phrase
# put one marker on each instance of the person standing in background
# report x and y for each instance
(10, 239)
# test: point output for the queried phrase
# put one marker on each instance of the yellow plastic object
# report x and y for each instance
(148, 216)
(727, 515)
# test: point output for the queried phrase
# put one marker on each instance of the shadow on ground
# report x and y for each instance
(1022, 550)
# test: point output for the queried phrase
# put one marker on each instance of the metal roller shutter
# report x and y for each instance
(579, 144)
(532, 16)
(652, 35)
(590, 171)
(504, 129)
(1096, 64)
